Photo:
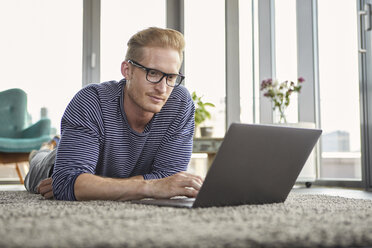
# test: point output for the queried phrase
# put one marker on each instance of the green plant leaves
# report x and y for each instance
(201, 113)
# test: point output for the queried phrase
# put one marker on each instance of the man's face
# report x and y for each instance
(142, 94)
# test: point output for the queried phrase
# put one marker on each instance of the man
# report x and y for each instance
(130, 139)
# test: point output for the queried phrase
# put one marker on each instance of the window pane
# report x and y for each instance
(120, 19)
(286, 50)
(41, 53)
(205, 56)
(339, 89)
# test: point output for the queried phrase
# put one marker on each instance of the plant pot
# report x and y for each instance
(206, 132)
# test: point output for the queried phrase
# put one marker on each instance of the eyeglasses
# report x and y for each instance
(155, 76)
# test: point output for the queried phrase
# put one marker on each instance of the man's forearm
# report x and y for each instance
(92, 187)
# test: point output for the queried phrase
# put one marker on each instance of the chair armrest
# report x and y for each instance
(40, 128)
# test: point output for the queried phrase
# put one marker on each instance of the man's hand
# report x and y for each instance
(180, 184)
(45, 188)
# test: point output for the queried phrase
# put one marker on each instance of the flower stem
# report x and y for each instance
(282, 119)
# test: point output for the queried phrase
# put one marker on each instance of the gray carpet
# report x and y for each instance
(27, 220)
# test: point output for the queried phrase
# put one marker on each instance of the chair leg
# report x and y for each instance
(19, 173)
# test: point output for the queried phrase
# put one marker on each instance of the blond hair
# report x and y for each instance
(154, 37)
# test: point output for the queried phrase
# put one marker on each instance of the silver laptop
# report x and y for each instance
(255, 164)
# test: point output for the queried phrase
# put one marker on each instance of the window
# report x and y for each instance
(286, 51)
(41, 48)
(205, 56)
(339, 90)
(119, 21)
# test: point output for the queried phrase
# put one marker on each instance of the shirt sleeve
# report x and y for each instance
(78, 150)
(175, 151)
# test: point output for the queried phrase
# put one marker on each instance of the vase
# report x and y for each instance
(279, 114)
(282, 117)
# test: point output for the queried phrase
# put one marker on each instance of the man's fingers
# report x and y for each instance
(44, 183)
(187, 185)
(192, 176)
(188, 192)
(48, 195)
(180, 184)
(191, 182)
(47, 191)
(45, 188)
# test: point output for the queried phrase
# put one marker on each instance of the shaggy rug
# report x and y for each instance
(27, 220)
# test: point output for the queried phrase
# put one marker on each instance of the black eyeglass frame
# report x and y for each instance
(166, 75)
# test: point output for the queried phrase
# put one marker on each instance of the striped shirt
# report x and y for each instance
(96, 138)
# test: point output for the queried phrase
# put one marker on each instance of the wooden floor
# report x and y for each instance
(334, 191)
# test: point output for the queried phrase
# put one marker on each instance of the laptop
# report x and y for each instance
(255, 164)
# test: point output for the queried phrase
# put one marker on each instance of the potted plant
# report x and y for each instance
(279, 94)
(202, 114)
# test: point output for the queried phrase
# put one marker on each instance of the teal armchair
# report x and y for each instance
(17, 139)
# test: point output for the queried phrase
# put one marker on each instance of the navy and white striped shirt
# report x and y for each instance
(96, 138)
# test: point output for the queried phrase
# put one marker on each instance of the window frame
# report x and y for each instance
(308, 101)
